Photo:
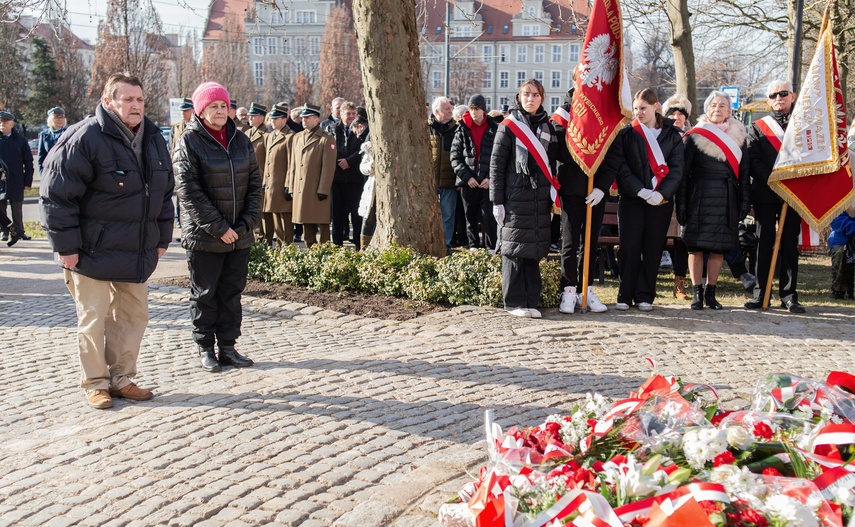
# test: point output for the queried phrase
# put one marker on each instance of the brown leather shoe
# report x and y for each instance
(132, 392)
(99, 399)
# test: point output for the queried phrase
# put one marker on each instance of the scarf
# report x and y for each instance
(782, 118)
(539, 124)
(132, 140)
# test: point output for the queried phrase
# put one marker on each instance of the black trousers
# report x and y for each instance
(345, 209)
(479, 217)
(680, 258)
(521, 282)
(643, 231)
(17, 215)
(573, 209)
(766, 216)
(216, 283)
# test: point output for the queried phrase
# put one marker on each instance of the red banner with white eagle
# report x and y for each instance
(602, 102)
(813, 173)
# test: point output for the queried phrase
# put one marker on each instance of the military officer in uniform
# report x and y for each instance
(276, 207)
(186, 108)
(233, 116)
(310, 175)
(256, 131)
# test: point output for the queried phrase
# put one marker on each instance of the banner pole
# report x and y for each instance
(767, 293)
(586, 252)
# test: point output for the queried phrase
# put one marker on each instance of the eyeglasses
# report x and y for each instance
(782, 93)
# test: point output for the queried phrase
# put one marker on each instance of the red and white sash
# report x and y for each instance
(561, 116)
(654, 152)
(772, 130)
(531, 143)
(732, 151)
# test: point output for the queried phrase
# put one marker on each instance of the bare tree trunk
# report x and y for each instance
(407, 206)
(684, 54)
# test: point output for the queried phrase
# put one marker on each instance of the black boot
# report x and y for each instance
(229, 356)
(14, 236)
(209, 359)
(709, 298)
(697, 297)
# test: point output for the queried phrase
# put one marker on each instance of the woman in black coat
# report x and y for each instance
(714, 195)
(522, 203)
(219, 186)
(646, 199)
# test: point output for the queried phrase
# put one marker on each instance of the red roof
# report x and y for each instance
(49, 33)
(219, 11)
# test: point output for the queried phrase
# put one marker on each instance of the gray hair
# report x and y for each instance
(434, 106)
(458, 112)
(712, 96)
(348, 105)
(778, 83)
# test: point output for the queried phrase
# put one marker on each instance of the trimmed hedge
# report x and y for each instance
(462, 278)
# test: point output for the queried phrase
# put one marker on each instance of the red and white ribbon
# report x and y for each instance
(561, 116)
(836, 478)
(732, 152)
(535, 149)
(593, 510)
(772, 131)
(654, 152)
(698, 491)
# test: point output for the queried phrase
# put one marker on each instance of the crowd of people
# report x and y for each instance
(242, 174)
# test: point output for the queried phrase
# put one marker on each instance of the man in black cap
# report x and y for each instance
(233, 116)
(47, 138)
(16, 159)
(310, 175)
(256, 132)
(186, 108)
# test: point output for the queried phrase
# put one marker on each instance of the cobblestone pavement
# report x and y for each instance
(344, 420)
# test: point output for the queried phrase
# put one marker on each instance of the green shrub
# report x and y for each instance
(339, 271)
(292, 265)
(381, 271)
(550, 272)
(421, 280)
(262, 265)
(471, 278)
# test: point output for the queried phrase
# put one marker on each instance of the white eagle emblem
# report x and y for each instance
(601, 64)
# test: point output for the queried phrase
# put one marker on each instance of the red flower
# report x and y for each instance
(711, 507)
(771, 471)
(751, 516)
(763, 431)
(725, 458)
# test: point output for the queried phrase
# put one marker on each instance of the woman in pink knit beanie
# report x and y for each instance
(219, 185)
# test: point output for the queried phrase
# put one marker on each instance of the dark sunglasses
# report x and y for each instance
(782, 93)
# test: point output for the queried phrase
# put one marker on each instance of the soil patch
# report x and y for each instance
(347, 302)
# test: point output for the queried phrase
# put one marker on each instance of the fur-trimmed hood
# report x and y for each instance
(736, 132)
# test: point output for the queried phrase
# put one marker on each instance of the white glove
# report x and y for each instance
(499, 214)
(595, 197)
(644, 193)
(655, 198)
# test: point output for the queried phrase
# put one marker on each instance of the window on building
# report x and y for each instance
(504, 54)
(488, 52)
(556, 53)
(538, 75)
(531, 12)
(489, 101)
(305, 17)
(503, 101)
(463, 31)
(258, 45)
(315, 45)
(555, 102)
(531, 30)
(504, 79)
(573, 55)
(539, 53)
(436, 80)
(286, 46)
(505, 29)
(487, 80)
(276, 17)
(522, 53)
(556, 79)
(520, 78)
(271, 45)
(258, 70)
(299, 45)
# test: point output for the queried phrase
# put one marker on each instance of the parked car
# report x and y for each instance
(166, 132)
(34, 146)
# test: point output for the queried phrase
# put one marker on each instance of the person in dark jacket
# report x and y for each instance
(347, 181)
(574, 200)
(106, 207)
(442, 128)
(767, 207)
(47, 138)
(646, 197)
(521, 192)
(219, 185)
(470, 159)
(840, 245)
(18, 159)
(714, 195)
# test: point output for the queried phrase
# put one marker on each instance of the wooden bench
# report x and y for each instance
(610, 217)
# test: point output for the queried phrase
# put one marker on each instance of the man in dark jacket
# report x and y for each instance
(767, 207)
(442, 129)
(106, 206)
(328, 125)
(348, 180)
(470, 159)
(18, 159)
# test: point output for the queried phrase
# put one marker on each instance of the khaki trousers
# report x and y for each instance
(279, 223)
(111, 321)
(311, 231)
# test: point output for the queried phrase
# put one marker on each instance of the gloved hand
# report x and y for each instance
(499, 214)
(595, 197)
(644, 193)
(288, 196)
(322, 196)
(655, 198)
(743, 214)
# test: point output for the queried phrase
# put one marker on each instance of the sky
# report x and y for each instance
(176, 16)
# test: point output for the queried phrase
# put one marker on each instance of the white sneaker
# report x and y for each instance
(594, 304)
(568, 300)
(645, 306)
(665, 261)
(519, 312)
(534, 313)
(622, 306)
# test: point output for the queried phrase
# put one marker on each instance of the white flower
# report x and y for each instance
(738, 481)
(739, 437)
(629, 480)
(702, 445)
(596, 404)
(844, 496)
(789, 511)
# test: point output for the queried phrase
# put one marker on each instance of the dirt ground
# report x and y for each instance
(348, 302)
